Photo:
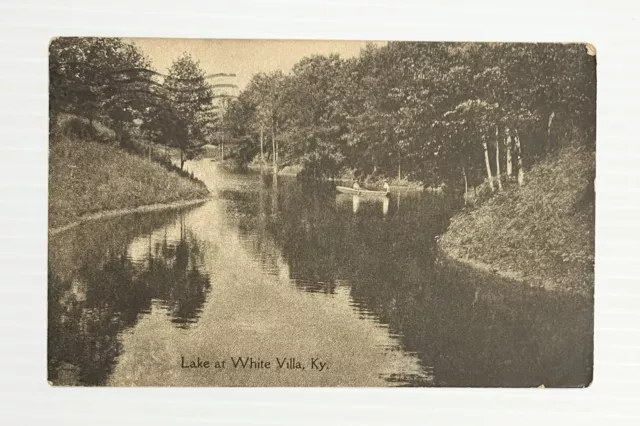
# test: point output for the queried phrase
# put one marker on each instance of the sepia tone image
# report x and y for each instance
(320, 213)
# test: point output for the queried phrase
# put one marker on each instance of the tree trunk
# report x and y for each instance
(519, 153)
(498, 159)
(466, 186)
(508, 144)
(274, 196)
(488, 165)
(181, 159)
(91, 132)
(275, 151)
(399, 174)
(550, 143)
(261, 148)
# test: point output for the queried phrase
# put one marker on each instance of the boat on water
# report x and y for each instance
(366, 192)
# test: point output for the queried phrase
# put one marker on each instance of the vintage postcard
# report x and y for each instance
(279, 213)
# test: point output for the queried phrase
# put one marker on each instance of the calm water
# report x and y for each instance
(273, 270)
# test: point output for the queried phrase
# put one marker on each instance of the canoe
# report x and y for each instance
(346, 190)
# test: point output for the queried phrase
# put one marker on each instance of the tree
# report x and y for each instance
(474, 118)
(314, 116)
(265, 92)
(191, 99)
(240, 122)
(92, 77)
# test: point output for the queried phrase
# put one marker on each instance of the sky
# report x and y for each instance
(241, 57)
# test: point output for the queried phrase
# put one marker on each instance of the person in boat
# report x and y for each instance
(387, 188)
(356, 185)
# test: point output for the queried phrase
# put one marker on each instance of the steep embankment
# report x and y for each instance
(87, 177)
(542, 233)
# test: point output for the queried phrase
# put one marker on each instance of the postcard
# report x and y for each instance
(309, 213)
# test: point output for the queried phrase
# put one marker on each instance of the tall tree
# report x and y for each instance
(265, 91)
(314, 115)
(191, 99)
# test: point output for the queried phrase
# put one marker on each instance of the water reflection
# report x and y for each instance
(467, 329)
(357, 200)
(297, 272)
(97, 291)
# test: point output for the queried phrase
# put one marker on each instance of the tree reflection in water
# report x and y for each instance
(104, 292)
(467, 328)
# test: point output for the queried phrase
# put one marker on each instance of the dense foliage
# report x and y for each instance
(109, 81)
(455, 113)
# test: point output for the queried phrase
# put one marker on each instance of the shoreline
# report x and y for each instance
(540, 234)
(121, 212)
(412, 186)
(452, 255)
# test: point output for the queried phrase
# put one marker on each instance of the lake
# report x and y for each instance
(294, 274)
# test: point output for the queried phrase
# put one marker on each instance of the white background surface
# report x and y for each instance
(25, 28)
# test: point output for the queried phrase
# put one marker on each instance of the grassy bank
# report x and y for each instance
(88, 177)
(541, 233)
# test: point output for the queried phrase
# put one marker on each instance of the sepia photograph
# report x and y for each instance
(318, 213)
